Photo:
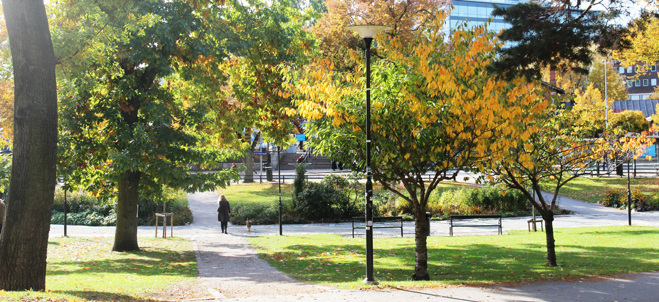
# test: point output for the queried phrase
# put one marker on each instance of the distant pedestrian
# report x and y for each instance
(2, 214)
(223, 213)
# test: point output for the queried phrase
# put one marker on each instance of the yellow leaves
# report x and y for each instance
(528, 147)
(407, 156)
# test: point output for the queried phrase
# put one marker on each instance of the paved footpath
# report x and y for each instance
(230, 270)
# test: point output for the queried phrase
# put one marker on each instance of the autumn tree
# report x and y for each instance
(141, 81)
(24, 239)
(615, 86)
(406, 18)
(6, 86)
(643, 45)
(435, 108)
(629, 121)
(642, 48)
(264, 38)
(546, 161)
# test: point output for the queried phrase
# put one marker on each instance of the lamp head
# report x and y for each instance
(368, 31)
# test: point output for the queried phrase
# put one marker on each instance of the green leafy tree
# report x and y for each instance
(265, 38)
(24, 240)
(435, 108)
(140, 80)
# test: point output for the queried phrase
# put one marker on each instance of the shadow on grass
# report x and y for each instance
(462, 263)
(101, 296)
(150, 263)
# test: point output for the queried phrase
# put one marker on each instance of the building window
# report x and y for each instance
(630, 69)
(630, 83)
(653, 82)
(653, 68)
(621, 69)
(645, 82)
(637, 83)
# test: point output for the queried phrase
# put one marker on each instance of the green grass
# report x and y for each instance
(594, 189)
(581, 252)
(86, 269)
(256, 192)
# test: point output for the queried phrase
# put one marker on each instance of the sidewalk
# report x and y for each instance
(230, 270)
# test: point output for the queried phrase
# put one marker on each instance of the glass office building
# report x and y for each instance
(477, 12)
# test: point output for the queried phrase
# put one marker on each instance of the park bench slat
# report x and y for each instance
(385, 222)
(454, 218)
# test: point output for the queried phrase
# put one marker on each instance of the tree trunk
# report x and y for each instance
(548, 216)
(125, 236)
(421, 250)
(24, 240)
(249, 167)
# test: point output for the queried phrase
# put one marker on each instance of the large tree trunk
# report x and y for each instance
(24, 240)
(125, 236)
(421, 250)
(548, 216)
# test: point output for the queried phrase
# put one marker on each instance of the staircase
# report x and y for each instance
(316, 162)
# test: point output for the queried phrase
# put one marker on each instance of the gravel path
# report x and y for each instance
(228, 266)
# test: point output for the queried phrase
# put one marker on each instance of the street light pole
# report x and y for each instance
(368, 32)
(279, 183)
(606, 95)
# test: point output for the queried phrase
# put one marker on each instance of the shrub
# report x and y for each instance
(85, 209)
(486, 200)
(612, 198)
(321, 201)
(257, 213)
(651, 204)
(384, 204)
(80, 201)
(618, 199)
(176, 202)
(298, 183)
(498, 199)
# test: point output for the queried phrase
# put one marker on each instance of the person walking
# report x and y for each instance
(223, 212)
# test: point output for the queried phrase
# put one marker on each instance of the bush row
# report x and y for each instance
(489, 199)
(336, 199)
(85, 209)
(618, 199)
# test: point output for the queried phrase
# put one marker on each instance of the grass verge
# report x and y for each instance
(256, 192)
(594, 189)
(582, 252)
(81, 269)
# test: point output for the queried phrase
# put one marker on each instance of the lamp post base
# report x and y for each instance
(370, 282)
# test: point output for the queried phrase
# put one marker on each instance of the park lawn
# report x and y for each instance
(80, 269)
(595, 188)
(336, 261)
(256, 192)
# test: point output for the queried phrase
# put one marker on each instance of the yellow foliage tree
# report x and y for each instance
(6, 88)
(591, 108)
(643, 50)
(435, 109)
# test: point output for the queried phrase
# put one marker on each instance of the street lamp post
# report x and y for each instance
(279, 183)
(606, 95)
(368, 32)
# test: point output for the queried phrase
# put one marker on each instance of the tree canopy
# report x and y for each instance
(435, 108)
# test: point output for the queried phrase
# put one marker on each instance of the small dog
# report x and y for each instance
(249, 225)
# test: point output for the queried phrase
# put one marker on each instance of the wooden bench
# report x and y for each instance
(475, 221)
(381, 222)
